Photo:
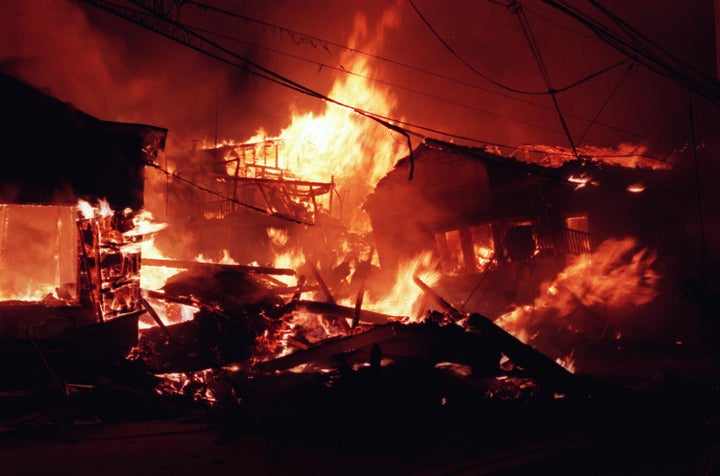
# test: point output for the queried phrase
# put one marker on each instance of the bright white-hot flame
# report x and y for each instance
(483, 255)
(567, 362)
(291, 259)
(580, 181)
(155, 277)
(278, 236)
(636, 188)
(226, 259)
(144, 224)
(402, 298)
(88, 211)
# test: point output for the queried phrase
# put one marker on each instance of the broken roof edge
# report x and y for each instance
(583, 163)
(61, 154)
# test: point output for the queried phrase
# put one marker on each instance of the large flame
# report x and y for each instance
(403, 295)
(339, 144)
(617, 275)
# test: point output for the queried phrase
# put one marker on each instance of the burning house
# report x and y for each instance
(507, 229)
(312, 283)
(241, 197)
(70, 270)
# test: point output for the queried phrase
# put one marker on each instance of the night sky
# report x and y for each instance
(117, 70)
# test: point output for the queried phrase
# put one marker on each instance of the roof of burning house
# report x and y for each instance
(56, 154)
(454, 184)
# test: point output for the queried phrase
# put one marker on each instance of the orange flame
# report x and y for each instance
(615, 276)
(567, 362)
(340, 145)
(402, 298)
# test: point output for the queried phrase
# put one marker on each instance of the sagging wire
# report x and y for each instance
(606, 102)
(644, 51)
(515, 7)
(181, 34)
(497, 83)
(325, 43)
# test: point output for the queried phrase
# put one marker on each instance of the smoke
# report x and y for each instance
(115, 70)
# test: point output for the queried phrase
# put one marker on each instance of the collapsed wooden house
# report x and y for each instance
(485, 213)
(68, 282)
(227, 197)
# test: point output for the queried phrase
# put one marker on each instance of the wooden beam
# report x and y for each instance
(171, 263)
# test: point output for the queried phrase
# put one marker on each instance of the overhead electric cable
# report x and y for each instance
(439, 98)
(649, 55)
(517, 9)
(410, 126)
(317, 40)
(606, 102)
(640, 38)
(186, 37)
(553, 22)
(497, 83)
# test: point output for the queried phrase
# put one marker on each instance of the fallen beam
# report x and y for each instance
(170, 263)
(326, 291)
(328, 309)
(535, 362)
(328, 349)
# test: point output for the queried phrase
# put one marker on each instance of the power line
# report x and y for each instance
(497, 83)
(516, 8)
(644, 51)
(422, 93)
(186, 36)
(315, 40)
(606, 102)
(410, 126)
(202, 188)
(552, 22)
(155, 21)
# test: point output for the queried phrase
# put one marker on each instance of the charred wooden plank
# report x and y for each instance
(538, 364)
(358, 306)
(369, 317)
(326, 291)
(446, 306)
(155, 316)
(328, 349)
(171, 298)
(169, 263)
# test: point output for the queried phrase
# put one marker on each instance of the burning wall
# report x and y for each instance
(511, 231)
(63, 264)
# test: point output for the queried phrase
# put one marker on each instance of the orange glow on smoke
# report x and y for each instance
(339, 144)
